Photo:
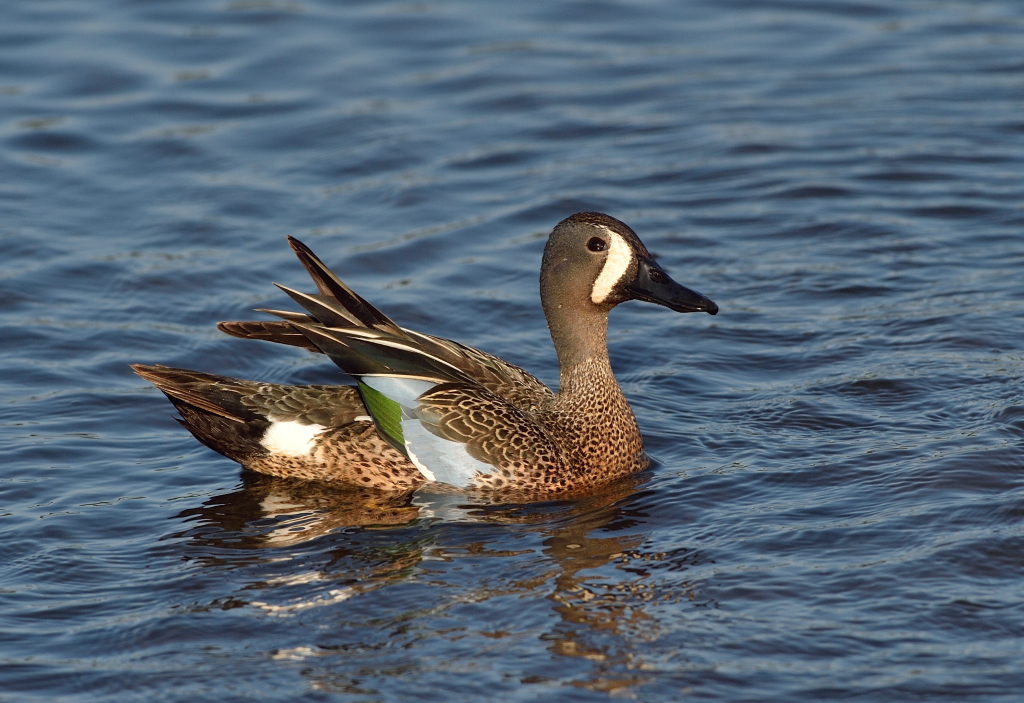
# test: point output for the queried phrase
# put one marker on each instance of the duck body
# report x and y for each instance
(430, 409)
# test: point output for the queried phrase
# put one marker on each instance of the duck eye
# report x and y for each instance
(596, 244)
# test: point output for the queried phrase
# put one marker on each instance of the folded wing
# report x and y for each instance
(339, 308)
(463, 416)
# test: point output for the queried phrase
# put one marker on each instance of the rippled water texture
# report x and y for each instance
(836, 507)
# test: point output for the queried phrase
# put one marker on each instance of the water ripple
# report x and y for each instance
(835, 505)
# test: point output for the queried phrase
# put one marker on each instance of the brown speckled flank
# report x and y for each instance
(535, 441)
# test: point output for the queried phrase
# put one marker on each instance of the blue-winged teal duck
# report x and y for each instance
(429, 409)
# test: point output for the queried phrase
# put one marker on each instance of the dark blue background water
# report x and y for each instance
(837, 508)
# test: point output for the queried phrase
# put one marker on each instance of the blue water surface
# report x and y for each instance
(836, 510)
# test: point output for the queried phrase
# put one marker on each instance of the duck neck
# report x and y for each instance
(599, 427)
(581, 342)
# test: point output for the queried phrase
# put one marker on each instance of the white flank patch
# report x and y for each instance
(290, 438)
(620, 256)
(363, 418)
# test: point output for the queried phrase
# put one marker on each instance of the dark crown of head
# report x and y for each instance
(602, 220)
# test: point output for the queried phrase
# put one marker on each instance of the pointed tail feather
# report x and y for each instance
(336, 306)
(366, 353)
(268, 331)
(324, 309)
(330, 285)
(288, 315)
(360, 339)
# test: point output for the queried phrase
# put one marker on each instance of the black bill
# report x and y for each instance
(655, 286)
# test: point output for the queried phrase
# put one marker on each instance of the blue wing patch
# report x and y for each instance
(438, 459)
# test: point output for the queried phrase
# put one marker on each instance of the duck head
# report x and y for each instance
(593, 262)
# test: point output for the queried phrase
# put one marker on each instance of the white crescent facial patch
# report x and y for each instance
(620, 256)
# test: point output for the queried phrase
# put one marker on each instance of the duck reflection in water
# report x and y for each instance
(594, 571)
